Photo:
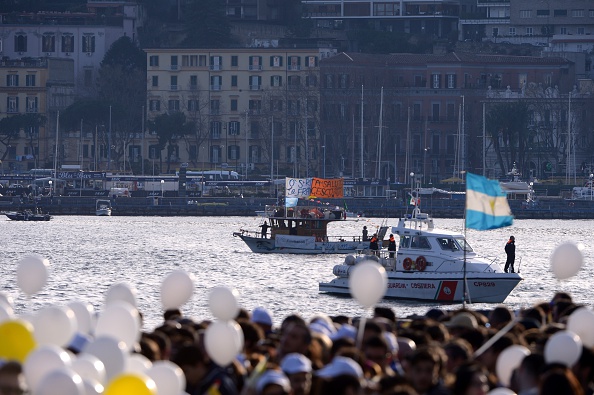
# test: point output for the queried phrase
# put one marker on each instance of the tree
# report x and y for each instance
(125, 54)
(10, 128)
(206, 24)
(507, 125)
(170, 128)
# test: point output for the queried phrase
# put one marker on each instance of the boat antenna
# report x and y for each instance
(464, 285)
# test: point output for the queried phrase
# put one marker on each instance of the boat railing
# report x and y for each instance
(305, 212)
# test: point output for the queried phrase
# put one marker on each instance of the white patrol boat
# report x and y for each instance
(432, 265)
(302, 230)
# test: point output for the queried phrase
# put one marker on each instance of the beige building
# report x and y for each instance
(254, 108)
(33, 86)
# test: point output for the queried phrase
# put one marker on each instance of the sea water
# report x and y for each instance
(89, 254)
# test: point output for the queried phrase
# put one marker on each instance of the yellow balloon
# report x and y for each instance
(126, 384)
(16, 340)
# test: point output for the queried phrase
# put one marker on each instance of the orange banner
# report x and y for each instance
(327, 188)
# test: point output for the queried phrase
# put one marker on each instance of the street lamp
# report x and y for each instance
(50, 186)
(425, 165)
(324, 162)
(81, 183)
(162, 182)
(591, 180)
(412, 181)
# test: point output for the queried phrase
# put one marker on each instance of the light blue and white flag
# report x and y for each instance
(486, 204)
(291, 202)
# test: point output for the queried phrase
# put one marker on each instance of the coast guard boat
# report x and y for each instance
(303, 230)
(431, 265)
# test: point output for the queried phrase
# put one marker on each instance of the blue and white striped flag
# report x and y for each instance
(486, 204)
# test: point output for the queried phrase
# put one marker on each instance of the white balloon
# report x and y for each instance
(508, 360)
(121, 321)
(563, 347)
(122, 292)
(581, 323)
(6, 312)
(368, 283)
(84, 316)
(223, 303)
(111, 352)
(168, 377)
(223, 340)
(137, 363)
(43, 360)
(89, 367)
(61, 382)
(566, 260)
(54, 325)
(177, 288)
(93, 387)
(501, 391)
(32, 273)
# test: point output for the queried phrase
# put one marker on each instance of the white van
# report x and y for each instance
(119, 192)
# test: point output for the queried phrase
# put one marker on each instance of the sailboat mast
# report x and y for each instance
(407, 150)
(361, 161)
(56, 153)
(379, 140)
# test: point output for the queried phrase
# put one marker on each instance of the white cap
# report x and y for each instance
(273, 377)
(295, 363)
(261, 316)
(345, 331)
(341, 366)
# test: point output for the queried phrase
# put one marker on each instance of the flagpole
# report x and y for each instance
(464, 289)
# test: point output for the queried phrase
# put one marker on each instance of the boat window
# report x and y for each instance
(465, 246)
(404, 241)
(420, 242)
(448, 244)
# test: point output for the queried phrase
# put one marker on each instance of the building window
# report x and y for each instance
(562, 30)
(12, 104)
(577, 13)
(215, 129)
(12, 80)
(559, 12)
(234, 80)
(276, 61)
(154, 152)
(88, 43)
(294, 63)
(294, 81)
(293, 107)
(20, 42)
(233, 104)
(311, 61)
(216, 81)
(543, 13)
(451, 81)
(436, 81)
(255, 63)
(193, 152)
(154, 60)
(30, 79)
(581, 31)
(192, 105)
(215, 154)
(215, 106)
(32, 104)
(67, 43)
(202, 60)
(173, 82)
(48, 42)
(189, 60)
(193, 82)
(216, 62)
(173, 62)
(311, 80)
(529, 31)
(155, 80)
(344, 81)
(173, 105)
(495, 32)
(255, 82)
(512, 31)
(255, 106)
(525, 13)
(276, 105)
(88, 77)
(234, 61)
(155, 105)
(233, 152)
(329, 81)
(276, 80)
(386, 9)
(234, 128)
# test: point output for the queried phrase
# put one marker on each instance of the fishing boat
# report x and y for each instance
(28, 215)
(302, 230)
(431, 265)
(103, 207)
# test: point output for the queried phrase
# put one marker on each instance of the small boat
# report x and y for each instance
(431, 265)
(103, 207)
(302, 230)
(28, 215)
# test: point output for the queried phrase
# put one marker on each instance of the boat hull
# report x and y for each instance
(103, 212)
(30, 217)
(442, 287)
(269, 246)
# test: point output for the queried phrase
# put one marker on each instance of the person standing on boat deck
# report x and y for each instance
(510, 250)
(365, 234)
(373, 246)
(392, 246)
(264, 227)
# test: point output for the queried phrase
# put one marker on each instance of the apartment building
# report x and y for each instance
(385, 116)
(254, 109)
(34, 86)
(433, 17)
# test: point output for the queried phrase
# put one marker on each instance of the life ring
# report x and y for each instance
(421, 263)
(407, 263)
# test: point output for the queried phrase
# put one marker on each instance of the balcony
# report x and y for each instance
(215, 87)
(215, 67)
(174, 67)
(293, 68)
(174, 87)
(255, 67)
(255, 87)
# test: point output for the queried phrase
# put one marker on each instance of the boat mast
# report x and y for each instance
(361, 161)
(407, 144)
(379, 141)
(56, 153)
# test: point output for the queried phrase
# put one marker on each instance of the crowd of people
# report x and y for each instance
(435, 354)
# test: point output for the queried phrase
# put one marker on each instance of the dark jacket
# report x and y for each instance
(392, 244)
(373, 244)
(510, 249)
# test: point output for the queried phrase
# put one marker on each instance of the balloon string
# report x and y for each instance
(495, 337)
(360, 331)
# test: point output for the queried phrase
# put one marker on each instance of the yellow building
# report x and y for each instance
(254, 108)
(39, 86)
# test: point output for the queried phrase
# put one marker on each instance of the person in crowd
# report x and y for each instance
(424, 370)
(365, 234)
(295, 337)
(373, 244)
(392, 245)
(499, 317)
(559, 380)
(510, 251)
(12, 379)
(471, 379)
(262, 318)
(264, 227)
(526, 378)
(298, 369)
(273, 382)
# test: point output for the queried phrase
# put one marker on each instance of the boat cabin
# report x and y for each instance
(302, 220)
